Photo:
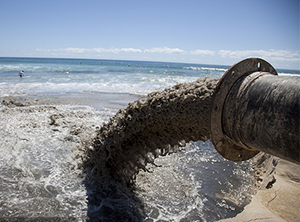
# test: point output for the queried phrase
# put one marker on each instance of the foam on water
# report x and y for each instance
(211, 69)
(40, 160)
(69, 75)
(188, 186)
(36, 84)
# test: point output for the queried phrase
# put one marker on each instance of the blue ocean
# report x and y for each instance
(49, 77)
(67, 76)
(49, 115)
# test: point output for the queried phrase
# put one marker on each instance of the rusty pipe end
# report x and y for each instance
(224, 144)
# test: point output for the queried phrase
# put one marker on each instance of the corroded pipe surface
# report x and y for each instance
(255, 110)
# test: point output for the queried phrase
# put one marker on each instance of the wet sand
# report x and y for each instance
(278, 192)
(96, 100)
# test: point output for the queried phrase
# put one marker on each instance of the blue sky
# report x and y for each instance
(192, 31)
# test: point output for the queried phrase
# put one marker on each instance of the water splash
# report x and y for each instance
(43, 148)
(156, 125)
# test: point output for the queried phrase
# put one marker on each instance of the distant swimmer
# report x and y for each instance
(21, 74)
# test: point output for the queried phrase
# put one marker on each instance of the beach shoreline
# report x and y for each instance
(277, 181)
(96, 100)
(277, 198)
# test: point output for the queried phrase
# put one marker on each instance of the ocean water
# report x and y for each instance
(64, 76)
(75, 76)
(43, 145)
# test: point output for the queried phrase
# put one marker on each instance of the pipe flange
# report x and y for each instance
(223, 144)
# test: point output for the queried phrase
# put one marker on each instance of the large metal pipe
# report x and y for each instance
(253, 110)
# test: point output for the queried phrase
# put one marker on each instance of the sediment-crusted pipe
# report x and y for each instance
(253, 110)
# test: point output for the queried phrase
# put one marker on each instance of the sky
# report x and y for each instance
(220, 32)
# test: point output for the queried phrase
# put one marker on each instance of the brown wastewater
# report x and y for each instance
(158, 124)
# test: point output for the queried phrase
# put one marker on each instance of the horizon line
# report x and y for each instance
(211, 64)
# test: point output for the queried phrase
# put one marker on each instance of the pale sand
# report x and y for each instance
(96, 100)
(278, 197)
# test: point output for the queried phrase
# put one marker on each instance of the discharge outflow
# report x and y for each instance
(157, 124)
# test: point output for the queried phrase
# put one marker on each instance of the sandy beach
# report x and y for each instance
(278, 192)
